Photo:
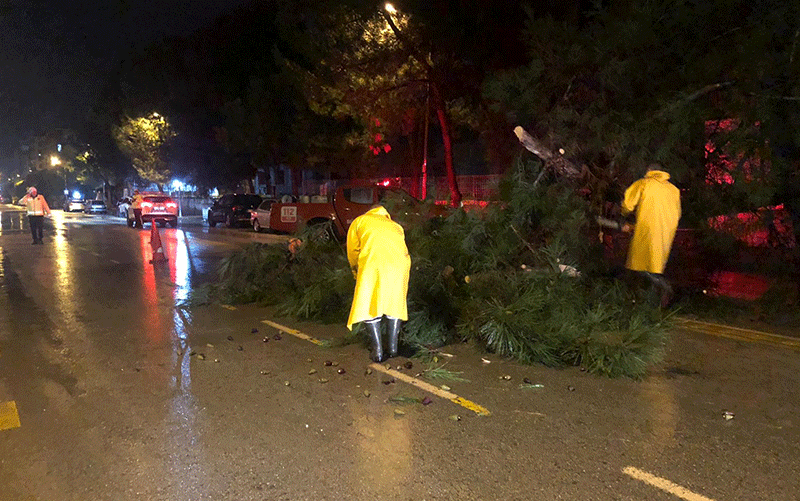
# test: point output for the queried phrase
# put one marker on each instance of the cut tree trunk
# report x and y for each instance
(553, 160)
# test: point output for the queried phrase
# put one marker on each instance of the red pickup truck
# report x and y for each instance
(342, 207)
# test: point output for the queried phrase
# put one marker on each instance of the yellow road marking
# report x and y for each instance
(740, 334)
(664, 484)
(294, 332)
(463, 402)
(9, 417)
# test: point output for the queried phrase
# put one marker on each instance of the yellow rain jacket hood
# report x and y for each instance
(376, 249)
(657, 203)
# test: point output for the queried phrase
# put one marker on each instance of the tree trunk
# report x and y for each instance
(444, 124)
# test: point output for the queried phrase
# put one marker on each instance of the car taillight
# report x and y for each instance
(147, 205)
(172, 205)
(237, 208)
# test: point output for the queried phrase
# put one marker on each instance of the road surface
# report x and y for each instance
(104, 395)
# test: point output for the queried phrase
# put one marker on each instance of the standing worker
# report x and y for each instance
(136, 205)
(37, 209)
(657, 204)
(378, 256)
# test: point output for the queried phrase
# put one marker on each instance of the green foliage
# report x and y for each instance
(499, 277)
(142, 140)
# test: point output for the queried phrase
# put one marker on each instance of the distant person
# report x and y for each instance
(37, 209)
(378, 256)
(657, 204)
(136, 206)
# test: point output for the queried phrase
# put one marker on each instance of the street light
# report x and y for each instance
(54, 160)
(390, 8)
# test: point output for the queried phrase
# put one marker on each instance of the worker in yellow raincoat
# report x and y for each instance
(378, 256)
(657, 204)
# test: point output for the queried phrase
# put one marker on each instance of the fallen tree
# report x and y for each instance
(503, 277)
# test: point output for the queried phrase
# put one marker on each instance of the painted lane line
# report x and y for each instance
(114, 261)
(9, 417)
(463, 402)
(296, 333)
(740, 334)
(422, 385)
(664, 484)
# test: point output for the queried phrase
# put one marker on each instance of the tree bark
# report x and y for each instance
(444, 124)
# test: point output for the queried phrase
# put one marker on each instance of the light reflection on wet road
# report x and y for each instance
(113, 406)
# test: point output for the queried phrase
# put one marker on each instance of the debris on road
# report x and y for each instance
(240, 348)
(409, 365)
(367, 393)
(427, 401)
(529, 386)
(454, 417)
(254, 331)
(312, 371)
(341, 371)
(266, 339)
(323, 380)
(230, 338)
(571, 388)
(201, 356)
(388, 381)
(327, 363)
(209, 345)
(264, 373)
(405, 400)
(727, 415)
(368, 371)
(445, 387)
(277, 337)
(506, 377)
(399, 412)
(216, 360)
(485, 361)
(286, 383)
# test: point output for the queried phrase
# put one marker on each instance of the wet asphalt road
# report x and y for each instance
(112, 405)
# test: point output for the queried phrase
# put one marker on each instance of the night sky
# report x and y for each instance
(55, 54)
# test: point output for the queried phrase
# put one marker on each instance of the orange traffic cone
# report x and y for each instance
(155, 244)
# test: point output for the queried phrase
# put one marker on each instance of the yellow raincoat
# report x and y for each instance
(657, 203)
(376, 249)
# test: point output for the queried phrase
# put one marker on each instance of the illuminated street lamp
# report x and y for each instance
(54, 160)
(390, 8)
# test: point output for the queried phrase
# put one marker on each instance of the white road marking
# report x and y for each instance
(664, 484)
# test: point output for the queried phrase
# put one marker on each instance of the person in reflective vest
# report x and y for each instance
(136, 206)
(378, 256)
(37, 209)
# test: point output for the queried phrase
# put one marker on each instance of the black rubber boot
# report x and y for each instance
(374, 333)
(393, 328)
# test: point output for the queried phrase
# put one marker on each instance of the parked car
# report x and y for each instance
(259, 218)
(331, 216)
(233, 209)
(122, 206)
(74, 205)
(156, 207)
(95, 207)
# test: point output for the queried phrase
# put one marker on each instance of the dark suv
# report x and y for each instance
(233, 210)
